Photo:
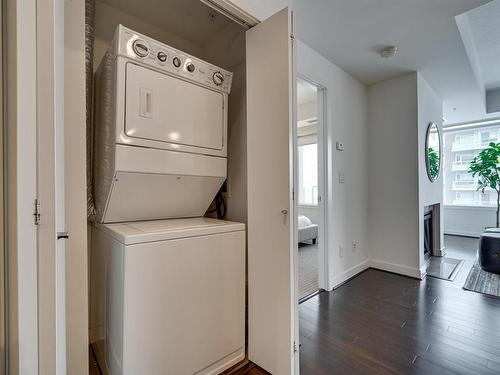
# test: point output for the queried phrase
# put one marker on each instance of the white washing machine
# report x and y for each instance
(168, 296)
(160, 137)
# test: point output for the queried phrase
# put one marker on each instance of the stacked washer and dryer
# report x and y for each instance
(167, 284)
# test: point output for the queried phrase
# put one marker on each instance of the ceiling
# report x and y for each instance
(351, 33)
(484, 28)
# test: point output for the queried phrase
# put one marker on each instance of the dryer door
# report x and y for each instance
(166, 109)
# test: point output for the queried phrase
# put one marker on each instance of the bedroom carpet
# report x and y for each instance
(308, 269)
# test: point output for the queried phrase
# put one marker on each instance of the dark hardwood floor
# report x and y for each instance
(381, 323)
(248, 368)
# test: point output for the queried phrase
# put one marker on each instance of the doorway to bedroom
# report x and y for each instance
(311, 218)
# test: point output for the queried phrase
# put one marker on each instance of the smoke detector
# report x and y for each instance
(388, 51)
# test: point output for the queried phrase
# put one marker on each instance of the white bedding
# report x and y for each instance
(304, 221)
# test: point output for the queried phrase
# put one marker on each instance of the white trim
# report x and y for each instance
(233, 12)
(294, 199)
(49, 118)
(322, 190)
(417, 273)
(472, 124)
(456, 207)
(75, 189)
(346, 275)
(377, 265)
(21, 186)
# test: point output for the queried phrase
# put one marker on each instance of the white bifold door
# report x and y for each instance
(272, 306)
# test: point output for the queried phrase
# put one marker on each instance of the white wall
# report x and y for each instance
(468, 221)
(430, 109)
(346, 204)
(394, 178)
(400, 111)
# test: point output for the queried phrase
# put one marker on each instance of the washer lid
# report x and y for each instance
(161, 230)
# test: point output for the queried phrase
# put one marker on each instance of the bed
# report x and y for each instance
(308, 232)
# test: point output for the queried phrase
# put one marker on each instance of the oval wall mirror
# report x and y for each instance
(433, 151)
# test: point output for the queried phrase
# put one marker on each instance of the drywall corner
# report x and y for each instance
(430, 110)
(393, 174)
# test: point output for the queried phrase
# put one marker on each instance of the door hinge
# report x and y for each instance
(36, 213)
(294, 347)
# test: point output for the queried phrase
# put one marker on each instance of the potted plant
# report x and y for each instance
(486, 165)
(433, 161)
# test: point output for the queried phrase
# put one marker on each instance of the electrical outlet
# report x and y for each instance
(355, 245)
(341, 251)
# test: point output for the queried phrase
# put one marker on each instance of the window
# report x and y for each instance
(487, 137)
(308, 174)
(460, 146)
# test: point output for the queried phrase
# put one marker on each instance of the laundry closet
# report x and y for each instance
(181, 190)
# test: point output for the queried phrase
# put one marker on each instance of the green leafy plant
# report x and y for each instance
(433, 160)
(486, 165)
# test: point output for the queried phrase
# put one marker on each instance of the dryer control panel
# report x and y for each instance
(161, 56)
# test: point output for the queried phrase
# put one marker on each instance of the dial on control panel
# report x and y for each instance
(190, 68)
(162, 56)
(140, 48)
(176, 61)
(218, 78)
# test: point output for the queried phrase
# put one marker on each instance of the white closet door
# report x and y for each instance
(271, 300)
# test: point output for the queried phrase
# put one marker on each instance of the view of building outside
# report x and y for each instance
(459, 148)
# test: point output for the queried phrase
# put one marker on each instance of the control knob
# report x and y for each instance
(190, 67)
(162, 56)
(140, 48)
(218, 78)
(176, 61)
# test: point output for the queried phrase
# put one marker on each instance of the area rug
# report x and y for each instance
(308, 270)
(482, 282)
(443, 267)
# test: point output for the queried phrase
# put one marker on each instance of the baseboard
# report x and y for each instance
(440, 253)
(350, 273)
(463, 233)
(416, 273)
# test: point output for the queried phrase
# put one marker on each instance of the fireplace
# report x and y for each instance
(428, 235)
(432, 231)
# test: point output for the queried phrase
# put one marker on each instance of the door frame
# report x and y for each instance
(19, 130)
(323, 265)
(29, 127)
